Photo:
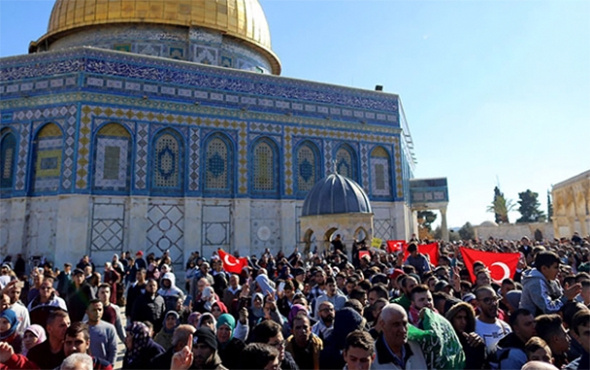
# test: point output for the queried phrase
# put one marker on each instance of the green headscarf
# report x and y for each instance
(227, 319)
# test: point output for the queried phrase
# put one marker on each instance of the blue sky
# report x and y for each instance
(493, 91)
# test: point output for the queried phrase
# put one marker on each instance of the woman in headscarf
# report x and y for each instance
(228, 345)
(462, 317)
(164, 336)
(208, 320)
(193, 319)
(34, 334)
(8, 333)
(218, 308)
(141, 348)
(256, 310)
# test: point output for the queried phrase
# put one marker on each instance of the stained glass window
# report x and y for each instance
(346, 162)
(112, 166)
(380, 172)
(7, 151)
(306, 167)
(265, 167)
(47, 156)
(217, 165)
(167, 162)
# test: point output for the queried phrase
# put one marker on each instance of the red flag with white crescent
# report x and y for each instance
(500, 265)
(364, 253)
(430, 249)
(231, 263)
(394, 246)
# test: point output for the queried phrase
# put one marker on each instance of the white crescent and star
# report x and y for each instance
(226, 261)
(505, 268)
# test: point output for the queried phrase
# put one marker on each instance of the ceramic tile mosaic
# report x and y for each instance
(111, 169)
(167, 162)
(23, 154)
(365, 166)
(194, 151)
(306, 168)
(380, 175)
(265, 168)
(47, 154)
(217, 158)
(141, 157)
(7, 150)
(398, 168)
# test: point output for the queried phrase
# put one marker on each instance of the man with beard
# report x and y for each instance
(303, 344)
(421, 298)
(50, 353)
(77, 340)
(150, 306)
(325, 323)
(331, 295)
(270, 332)
(407, 283)
(487, 325)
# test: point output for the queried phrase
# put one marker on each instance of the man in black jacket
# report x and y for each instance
(79, 298)
(150, 306)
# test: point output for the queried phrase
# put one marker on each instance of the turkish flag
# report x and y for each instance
(500, 265)
(430, 249)
(364, 253)
(394, 246)
(231, 263)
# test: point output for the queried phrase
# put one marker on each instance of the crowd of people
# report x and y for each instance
(337, 309)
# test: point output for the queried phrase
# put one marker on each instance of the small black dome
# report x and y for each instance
(336, 194)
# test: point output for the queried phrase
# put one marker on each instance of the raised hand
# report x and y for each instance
(183, 359)
(6, 351)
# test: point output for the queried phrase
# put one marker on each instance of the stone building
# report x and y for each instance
(571, 206)
(164, 125)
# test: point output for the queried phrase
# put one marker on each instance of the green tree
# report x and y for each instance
(429, 217)
(467, 232)
(529, 207)
(500, 207)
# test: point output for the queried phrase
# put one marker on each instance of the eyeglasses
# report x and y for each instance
(490, 300)
(45, 288)
(280, 344)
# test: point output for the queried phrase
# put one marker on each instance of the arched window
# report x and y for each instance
(112, 164)
(218, 166)
(307, 168)
(168, 160)
(47, 158)
(380, 173)
(7, 158)
(265, 168)
(346, 162)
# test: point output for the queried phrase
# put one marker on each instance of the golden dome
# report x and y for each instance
(242, 19)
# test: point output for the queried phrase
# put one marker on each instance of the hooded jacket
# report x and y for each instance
(539, 295)
(173, 290)
(172, 293)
